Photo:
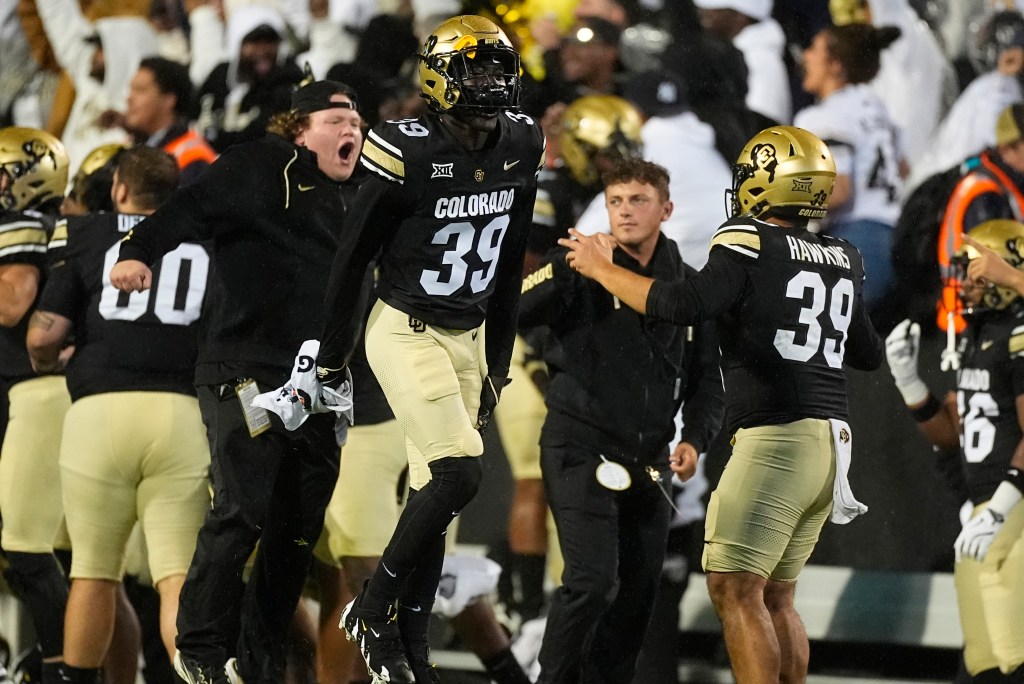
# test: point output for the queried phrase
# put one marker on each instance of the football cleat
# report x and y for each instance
(379, 642)
(193, 671)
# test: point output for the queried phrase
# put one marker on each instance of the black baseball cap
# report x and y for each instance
(657, 93)
(316, 96)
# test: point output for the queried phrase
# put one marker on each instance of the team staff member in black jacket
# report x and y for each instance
(272, 209)
(790, 313)
(617, 381)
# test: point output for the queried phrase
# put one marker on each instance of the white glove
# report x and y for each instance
(304, 394)
(977, 535)
(901, 351)
(979, 532)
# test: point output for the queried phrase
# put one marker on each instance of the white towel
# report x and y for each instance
(844, 506)
(303, 394)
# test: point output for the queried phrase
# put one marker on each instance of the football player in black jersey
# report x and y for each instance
(790, 313)
(272, 210)
(448, 208)
(33, 174)
(134, 447)
(986, 427)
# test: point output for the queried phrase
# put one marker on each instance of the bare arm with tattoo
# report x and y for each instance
(47, 334)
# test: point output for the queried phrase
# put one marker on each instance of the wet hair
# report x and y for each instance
(171, 77)
(857, 48)
(150, 173)
(640, 171)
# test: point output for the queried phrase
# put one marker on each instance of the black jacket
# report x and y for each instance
(617, 377)
(273, 219)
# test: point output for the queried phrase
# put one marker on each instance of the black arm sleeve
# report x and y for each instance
(547, 292)
(704, 402)
(219, 201)
(503, 304)
(864, 347)
(377, 210)
(710, 293)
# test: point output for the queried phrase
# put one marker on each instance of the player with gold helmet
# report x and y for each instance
(33, 175)
(790, 313)
(447, 207)
(981, 422)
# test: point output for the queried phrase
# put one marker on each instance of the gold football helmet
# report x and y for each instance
(34, 165)
(93, 162)
(1006, 238)
(468, 64)
(598, 126)
(783, 171)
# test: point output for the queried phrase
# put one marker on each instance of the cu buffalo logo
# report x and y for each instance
(36, 150)
(765, 158)
(844, 435)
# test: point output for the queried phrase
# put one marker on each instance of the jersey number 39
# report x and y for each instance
(828, 335)
(461, 238)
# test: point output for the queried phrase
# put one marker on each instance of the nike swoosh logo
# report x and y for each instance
(415, 610)
(393, 574)
(304, 188)
(375, 633)
(508, 165)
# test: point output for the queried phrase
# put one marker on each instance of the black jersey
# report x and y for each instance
(990, 379)
(790, 314)
(560, 202)
(143, 341)
(272, 219)
(450, 226)
(23, 239)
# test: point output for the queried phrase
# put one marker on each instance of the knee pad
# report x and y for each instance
(456, 479)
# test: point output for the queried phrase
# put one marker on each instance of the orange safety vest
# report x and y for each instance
(988, 177)
(190, 147)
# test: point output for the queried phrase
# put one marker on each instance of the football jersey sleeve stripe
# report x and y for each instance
(380, 161)
(749, 242)
(379, 171)
(60, 235)
(19, 225)
(1016, 344)
(742, 250)
(22, 249)
(381, 142)
(26, 238)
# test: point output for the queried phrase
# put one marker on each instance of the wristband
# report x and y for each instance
(1015, 477)
(927, 411)
(1005, 497)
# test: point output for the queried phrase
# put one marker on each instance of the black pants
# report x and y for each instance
(614, 545)
(274, 489)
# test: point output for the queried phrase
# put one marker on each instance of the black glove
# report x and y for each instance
(489, 396)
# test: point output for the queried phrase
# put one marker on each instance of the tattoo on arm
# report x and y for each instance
(41, 319)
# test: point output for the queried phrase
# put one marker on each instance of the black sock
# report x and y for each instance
(424, 520)
(37, 579)
(504, 669)
(75, 675)
(417, 598)
(528, 584)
